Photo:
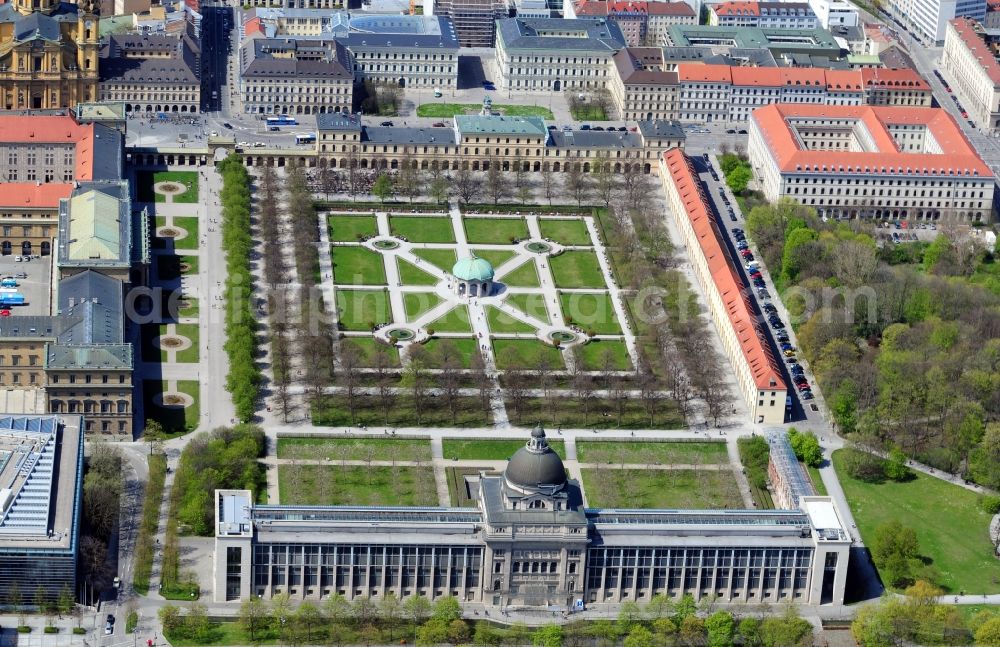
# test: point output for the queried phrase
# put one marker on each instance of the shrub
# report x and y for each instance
(23, 629)
(79, 631)
(49, 629)
(990, 503)
(863, 466)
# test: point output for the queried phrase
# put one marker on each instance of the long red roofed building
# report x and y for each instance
(755, 366)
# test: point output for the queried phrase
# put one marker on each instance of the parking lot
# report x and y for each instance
(771, 312)
(36, 287)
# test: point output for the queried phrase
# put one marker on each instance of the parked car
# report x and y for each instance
(730, 131)
(742, 131)
(4, 313)
(585, 127)
(597, 128)
(763, 294)
(806, 395)
(387, 123)
(17, 259)
(441, 124)
(227, 126)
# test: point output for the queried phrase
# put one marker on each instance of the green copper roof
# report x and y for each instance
(473, 269)
(94, 226)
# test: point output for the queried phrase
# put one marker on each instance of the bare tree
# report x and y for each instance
(349, 361)
(517, 392)
(636, 189)
(355, 178)
(466, 185)
(384, 387)
(649, 392)
(415, 377)
(439, 189)
(409, 180)
(484, 385)
(451, 382)
(576, 182)
(497, 184)
(583, 391)
(548, 182)
(607, 183)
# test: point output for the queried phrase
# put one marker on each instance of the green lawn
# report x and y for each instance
(357, 266)
(146, 179)
(169, 266)
(677, 489)
(567, 232)
(361, 309)
(441, 258)
(344, 228)
(190, 354)
(190, 225)
(595, 352)
(354, 449)
(410, 274)
(455, 320)
(657, 453)
(189, 307)
(589, 112)
(174, 419)
(366, 348)
(457, 490)
(577, 269)
(495, 231)
(448, 110)
(590, 310)
(496, 257)
(465, 348)
(523, 276)
(817, 480)
(356, 485)
(501, 322)
(423, 229)
(525, 353)
(489, 450)
(530, 304)
(951, 528)
(417, 303)
(333, 411)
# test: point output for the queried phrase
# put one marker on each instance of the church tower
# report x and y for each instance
(48, 54)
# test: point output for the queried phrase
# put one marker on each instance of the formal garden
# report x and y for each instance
(553, 315)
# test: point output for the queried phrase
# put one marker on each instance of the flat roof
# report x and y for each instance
(41, 460)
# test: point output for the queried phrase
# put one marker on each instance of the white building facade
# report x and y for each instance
(871, 162)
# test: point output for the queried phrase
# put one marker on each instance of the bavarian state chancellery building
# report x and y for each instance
(529, 542)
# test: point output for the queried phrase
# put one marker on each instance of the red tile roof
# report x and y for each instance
(966, 30)
(731, 289)
(705, 73)
(253, 26)
(33, 195)
(53, 129)
(957, 156)
(845, 80)
(901, 78)
(591, 8)
(736, 9)
(670, 9)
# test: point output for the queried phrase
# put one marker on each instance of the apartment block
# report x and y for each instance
(970, 59)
